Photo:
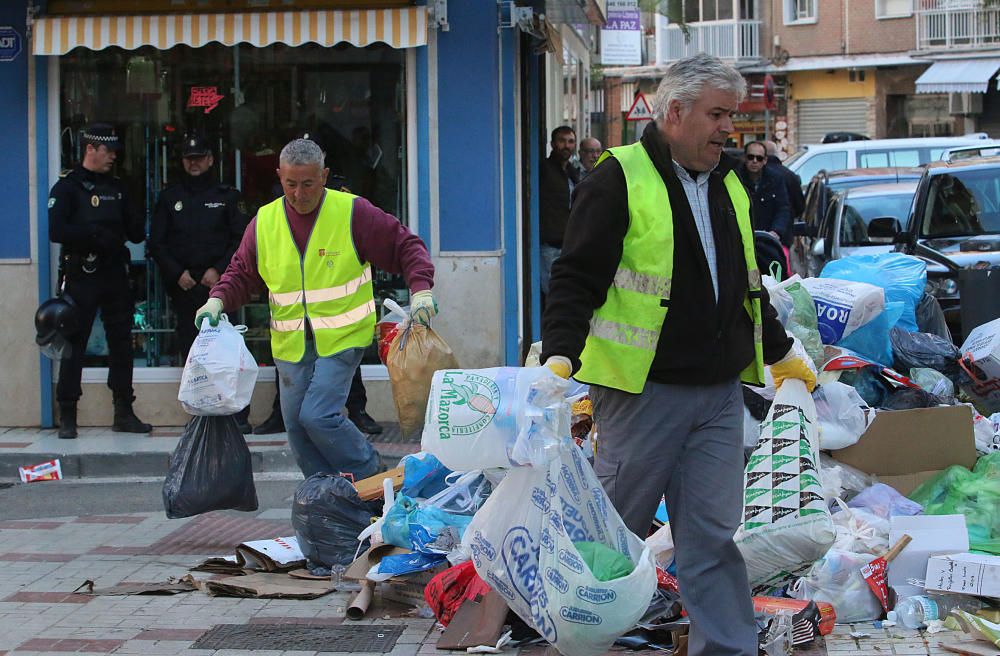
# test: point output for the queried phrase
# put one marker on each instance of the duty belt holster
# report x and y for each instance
(75, 264)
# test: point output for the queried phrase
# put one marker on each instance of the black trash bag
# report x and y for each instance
(756, 404)
(911, 350)
(327, 516)
(210, 469)
(930, 317)
(905, 398)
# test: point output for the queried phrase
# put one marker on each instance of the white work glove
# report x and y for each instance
(423, 307)
(559, 365)
(211, 310)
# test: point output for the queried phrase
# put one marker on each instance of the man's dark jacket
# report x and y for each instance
(702, 342)
(793, 185)
(771, 211)
(554, 199)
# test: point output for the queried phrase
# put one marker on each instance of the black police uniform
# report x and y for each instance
(89, 214)
(197, 225)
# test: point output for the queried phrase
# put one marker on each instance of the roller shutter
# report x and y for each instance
(819, 117)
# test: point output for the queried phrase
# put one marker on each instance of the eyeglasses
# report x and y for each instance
(756, 158)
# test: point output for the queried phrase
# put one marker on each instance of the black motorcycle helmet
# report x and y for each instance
(56, 320)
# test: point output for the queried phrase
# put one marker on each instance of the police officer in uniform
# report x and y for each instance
(90, 215)
(196, 228)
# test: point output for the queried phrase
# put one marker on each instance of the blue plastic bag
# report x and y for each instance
(903, 277)
(872, 339)
(423, 475)
(411, 526)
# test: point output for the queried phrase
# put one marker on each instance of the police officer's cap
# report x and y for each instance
(195, 145)
(100, 134)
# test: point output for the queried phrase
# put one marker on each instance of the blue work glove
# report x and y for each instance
(423, 307)
(211, 310)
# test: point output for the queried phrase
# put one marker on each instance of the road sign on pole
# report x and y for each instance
(640, 110)
(10, 43)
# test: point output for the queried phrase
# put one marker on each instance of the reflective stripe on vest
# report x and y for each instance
(327, 285)
(625, 330)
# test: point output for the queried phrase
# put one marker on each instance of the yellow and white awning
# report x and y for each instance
(400, 28)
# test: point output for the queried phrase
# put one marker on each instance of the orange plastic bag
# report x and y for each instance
(415, 354)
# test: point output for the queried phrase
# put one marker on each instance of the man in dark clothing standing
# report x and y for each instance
(793, 183)
(657, 303)
(556, 181)
(767, 191)
(90, 215)
(197, 226)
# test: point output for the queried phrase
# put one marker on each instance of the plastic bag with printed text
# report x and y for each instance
(220, 372)
(526, 543)
(903, 277)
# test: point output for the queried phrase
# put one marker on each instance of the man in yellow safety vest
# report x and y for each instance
(657, 303)
(312, 250)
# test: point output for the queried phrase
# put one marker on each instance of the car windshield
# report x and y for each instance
(859, 212)
(963, 203)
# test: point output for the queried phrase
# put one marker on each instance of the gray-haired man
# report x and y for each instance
(656, 301)
(312, 251)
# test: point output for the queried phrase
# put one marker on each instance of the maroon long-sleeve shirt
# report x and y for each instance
(378, 237)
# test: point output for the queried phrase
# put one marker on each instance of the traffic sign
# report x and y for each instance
(640, 110)
(10, 43)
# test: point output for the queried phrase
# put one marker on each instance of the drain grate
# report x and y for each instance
(300, 637)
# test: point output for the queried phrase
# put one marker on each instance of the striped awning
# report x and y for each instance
(399, 28)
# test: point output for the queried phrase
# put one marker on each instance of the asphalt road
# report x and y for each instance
(115, 496)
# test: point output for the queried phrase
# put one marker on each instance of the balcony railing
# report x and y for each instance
(943, 24)
(733, 40)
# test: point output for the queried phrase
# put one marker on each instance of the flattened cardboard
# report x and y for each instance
(906, 447)
(358, 570)
(268, 585)
(171, 586)
(274, 555)
(964, 573)
(475, 623)
(371, 487)
(970, 647)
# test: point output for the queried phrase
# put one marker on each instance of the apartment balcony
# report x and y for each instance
(957, 24)
(733, 40)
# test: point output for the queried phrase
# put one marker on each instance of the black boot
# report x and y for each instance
(243, 421)
(67, 421)
(125, 419)
(273, 424)
(365, 423)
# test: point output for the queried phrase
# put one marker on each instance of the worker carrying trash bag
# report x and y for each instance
(656, 302)
(313, 249)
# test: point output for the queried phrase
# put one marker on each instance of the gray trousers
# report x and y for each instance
(685, 443)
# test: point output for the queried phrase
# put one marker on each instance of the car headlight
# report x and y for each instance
(942, 287)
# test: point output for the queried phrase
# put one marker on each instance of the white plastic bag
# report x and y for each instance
(522, 545)
(786, 525)
(661, 545)
(837, 579)
(843, 306)
(220, 372)
(860, 531)
(843, 415)
(499, 417)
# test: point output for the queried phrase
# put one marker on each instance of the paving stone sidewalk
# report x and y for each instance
(44, 561)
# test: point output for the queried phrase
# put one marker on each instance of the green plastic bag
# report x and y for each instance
(792, 298)
(975, 494)
(605, 563)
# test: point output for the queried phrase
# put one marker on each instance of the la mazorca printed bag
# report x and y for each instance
(522, 545)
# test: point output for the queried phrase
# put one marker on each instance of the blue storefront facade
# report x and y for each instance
(437, 110)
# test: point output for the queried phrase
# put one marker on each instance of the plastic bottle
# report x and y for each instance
(915, 612)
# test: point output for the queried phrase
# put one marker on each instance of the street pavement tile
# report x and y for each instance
(70, 644)
(118, 551)
(38, 557)
(29, 525)
(48, 598)
(109, 519)
(14, 445)
(313, 621)
(185, 635)
(217, 533)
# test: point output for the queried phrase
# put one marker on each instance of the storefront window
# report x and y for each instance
(248, 102)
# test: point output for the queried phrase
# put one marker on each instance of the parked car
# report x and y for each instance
(824, 185)
(811, 159)
(846, 228)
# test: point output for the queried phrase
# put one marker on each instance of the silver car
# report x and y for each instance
(858, 220)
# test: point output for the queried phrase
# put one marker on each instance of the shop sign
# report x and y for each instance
(621, 36)
(639, 111)
(10, 43)
(207, 97)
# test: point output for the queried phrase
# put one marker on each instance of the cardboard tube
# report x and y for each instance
(362, 600)
(903, 541)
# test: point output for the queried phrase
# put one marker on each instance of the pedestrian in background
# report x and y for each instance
(793, 183)
(556, 181)
(590, 152)
(657, 303)
(771, 212)
(312, 251)
(90, 215)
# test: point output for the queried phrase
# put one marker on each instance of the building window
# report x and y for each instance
(349, 99)
(800, 11)
(893, 8)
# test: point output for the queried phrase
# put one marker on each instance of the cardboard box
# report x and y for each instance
(931, 535)
(964, 573)
(906, 447)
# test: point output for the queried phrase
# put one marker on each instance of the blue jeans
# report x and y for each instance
(547, 255)
(313, 393)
